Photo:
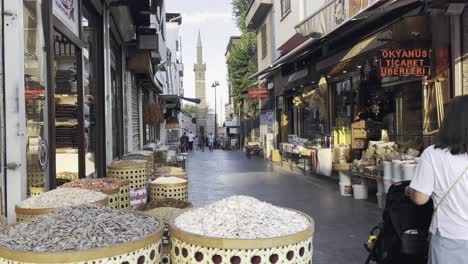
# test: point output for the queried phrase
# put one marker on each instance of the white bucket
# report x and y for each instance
(396, 170)
(387, 185)
(381, 199)
(387, 168)
(360, 191)
(346, 189)
(380, 187)
(408, 170)
(345, 178)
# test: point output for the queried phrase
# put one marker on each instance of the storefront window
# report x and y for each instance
(90, 85)
(35, 96)
(67, 135)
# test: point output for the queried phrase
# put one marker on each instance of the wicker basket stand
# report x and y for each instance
(191, 248)
(131, 170)
(177, 191)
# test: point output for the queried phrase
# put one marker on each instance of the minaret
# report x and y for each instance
(200, 89)
(200, 71)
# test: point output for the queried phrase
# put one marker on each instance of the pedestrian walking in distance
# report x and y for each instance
(442, 174)
(211, 141)
(191, 136)
(184, 144)
(195, 142)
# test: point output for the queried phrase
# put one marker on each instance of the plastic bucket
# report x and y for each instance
(346, 190)
(408, 170)
(360, 191)
(387, 185)
(396, 170)
(344, 178)
(387, 168)
(381, 199)
(380, 187)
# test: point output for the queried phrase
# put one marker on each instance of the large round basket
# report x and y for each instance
(133, 171)
(192, 248)
(27, 214)
(148, 158)
(147, 250)
(177, 191)
(114, 198)
(35, 179)
(124, 194)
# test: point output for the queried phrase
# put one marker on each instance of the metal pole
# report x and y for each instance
(216, 120)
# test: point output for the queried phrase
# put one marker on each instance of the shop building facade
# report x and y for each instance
(78, 78)
(348, 68)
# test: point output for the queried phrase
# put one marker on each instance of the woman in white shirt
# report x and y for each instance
(439, 169)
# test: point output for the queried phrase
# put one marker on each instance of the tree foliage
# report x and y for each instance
(242, 61)
(190, 109)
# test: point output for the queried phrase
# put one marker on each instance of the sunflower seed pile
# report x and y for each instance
(62, 197)
(164, 213)
(168, 180)
(97, 185)
(78, 228)
(241, 217)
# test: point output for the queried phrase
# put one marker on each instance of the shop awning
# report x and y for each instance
(298, 75)
(375, 11)
(170, 97)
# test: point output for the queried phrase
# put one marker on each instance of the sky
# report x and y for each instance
(215, 21)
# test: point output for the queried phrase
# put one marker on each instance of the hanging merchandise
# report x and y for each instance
(153, 114)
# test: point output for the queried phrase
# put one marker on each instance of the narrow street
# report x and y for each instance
(342, 223)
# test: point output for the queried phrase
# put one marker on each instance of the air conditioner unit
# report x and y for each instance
(147, 39)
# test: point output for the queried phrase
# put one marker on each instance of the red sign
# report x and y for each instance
(258, 94)
(405, 62)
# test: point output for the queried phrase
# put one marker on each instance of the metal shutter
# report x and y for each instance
(135, 119)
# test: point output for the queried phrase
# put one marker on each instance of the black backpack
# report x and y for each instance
(394, 243)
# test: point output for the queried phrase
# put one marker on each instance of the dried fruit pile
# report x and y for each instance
(242, 217)
(168, 180)
(62, 197)
(97, 185)
(78, 228)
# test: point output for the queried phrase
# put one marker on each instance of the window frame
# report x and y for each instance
(285, 8)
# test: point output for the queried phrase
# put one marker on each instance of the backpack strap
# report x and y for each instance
(449, 190)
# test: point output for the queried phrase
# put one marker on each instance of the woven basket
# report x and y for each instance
(191, 248)
(33, 191)
(133, 171)
(147, 250)
(35, 179)
(27, 214)
(177, 191)
(182, 175)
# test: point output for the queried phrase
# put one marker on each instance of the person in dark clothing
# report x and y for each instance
(184, 141)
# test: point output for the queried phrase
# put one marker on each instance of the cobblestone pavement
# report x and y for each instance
(342, 223)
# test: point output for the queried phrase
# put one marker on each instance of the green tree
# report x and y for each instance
(190, 109)
(242, 61)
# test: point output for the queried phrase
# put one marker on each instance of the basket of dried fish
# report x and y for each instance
(134, 171)
(147, 156)
(98, 185)
(124, 187)
(241, 229)
(55, 199)
(169, 187)
(83, 234)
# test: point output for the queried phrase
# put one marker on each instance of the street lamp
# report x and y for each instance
(214, 85)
